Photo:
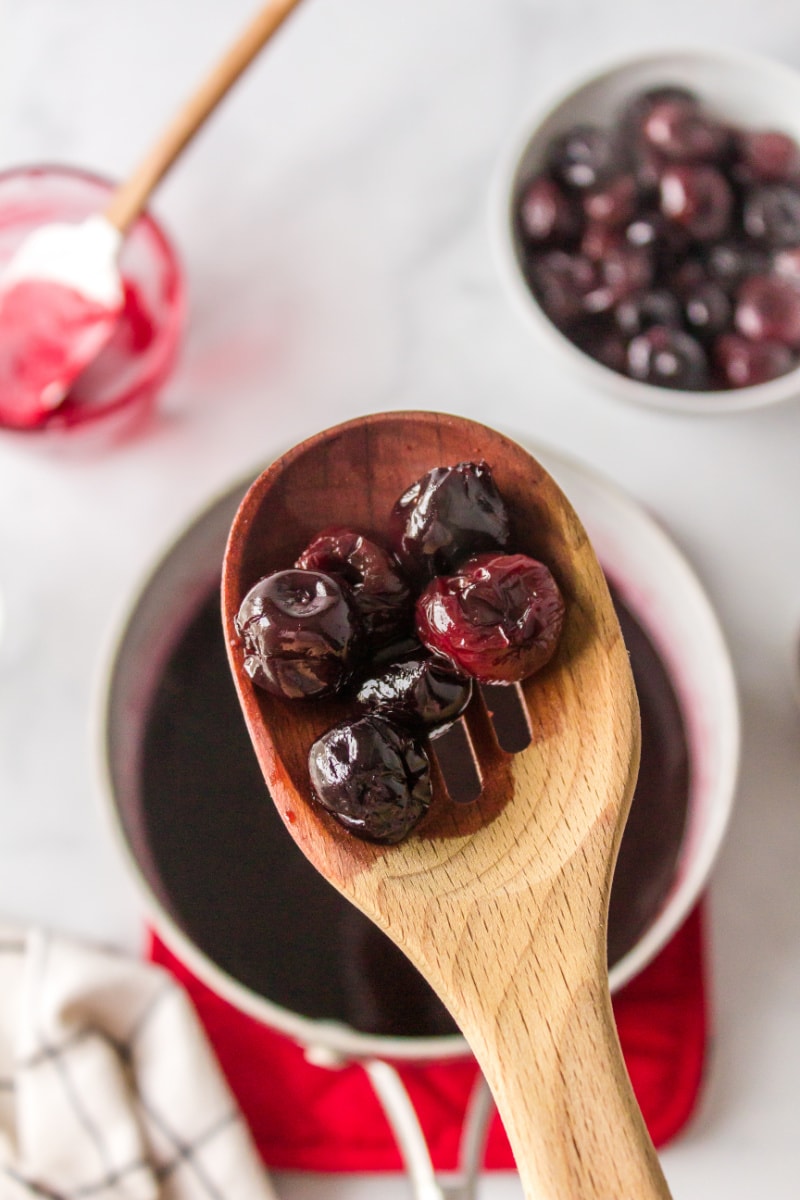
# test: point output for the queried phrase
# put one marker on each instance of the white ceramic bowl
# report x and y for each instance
(655, 583)
(748, 91)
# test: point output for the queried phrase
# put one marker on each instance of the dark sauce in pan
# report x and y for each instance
(236, 884)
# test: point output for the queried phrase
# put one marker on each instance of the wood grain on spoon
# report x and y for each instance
(502, 905)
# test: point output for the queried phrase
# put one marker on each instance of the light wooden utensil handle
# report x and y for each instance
(131, 197)
(568, 1107)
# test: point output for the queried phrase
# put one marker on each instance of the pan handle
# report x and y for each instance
(402, 1118)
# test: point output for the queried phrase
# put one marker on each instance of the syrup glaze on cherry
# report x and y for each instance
(713, 213)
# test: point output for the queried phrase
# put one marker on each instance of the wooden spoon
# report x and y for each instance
(502, 905)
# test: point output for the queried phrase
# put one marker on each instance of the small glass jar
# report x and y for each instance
(131, 369)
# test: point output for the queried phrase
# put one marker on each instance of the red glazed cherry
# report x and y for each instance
(598, 240)
(373, 777)
(771, 215)
(546, 215)
(643, 309)
(668, 358)
(729, 262)
(636, 110)
(744, 363)
(678, 129)
(768, 309)
(621, 272)
(422, 690)
(499, 619)
(768, 157)
(786, 263)
(377, 587)
(697, 198)
(448, 514)
(613, 204)
(707, 309)
(584, 157)
(301, 637)
(561, 282)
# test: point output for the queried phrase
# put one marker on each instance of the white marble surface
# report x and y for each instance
(333, 223)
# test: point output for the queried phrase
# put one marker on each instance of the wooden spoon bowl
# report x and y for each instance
(502, 905)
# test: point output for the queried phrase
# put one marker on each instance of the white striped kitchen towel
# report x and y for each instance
(108, 1087)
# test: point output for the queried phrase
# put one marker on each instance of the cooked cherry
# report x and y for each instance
(612, 204)
(699, 199)
(420, 691)
(561, 282)
(768, 156)
(744, 363)
(448, 514)
(584, 157)
(547, 216)
(786, 263)
(771, 215)
(768, 309)
(643, 309)
(600, 239)
(603, 341)
(707, 309)
(622, 271)
(730, 262)
(678, 129)
(498, 619)
(668, 358)
(300, 634)
(636, 110)
(381, 594)
(373, 777)
(665, 241)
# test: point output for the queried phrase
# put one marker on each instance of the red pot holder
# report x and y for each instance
(313, 1118)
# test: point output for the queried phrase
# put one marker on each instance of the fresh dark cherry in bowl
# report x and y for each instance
(665, 244)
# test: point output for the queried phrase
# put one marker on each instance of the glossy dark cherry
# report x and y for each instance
(707, 309)
(622, 271)
(771, 215)
(373, 777)
(678, 129)
(698, 198)
(583, 157)
(668, 358)
(498, 619)
(743, 363)
(635, 111)
(643, 309)
(731, 261)
(420, 691)
(547, 215)
(768, 156)
(786, 264)
(615, 203)
(301, 636)
(562, 281)
(598, 240)
(768, 309)
(448, 514)
(378, 587)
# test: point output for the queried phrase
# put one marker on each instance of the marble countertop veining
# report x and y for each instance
(333, 223)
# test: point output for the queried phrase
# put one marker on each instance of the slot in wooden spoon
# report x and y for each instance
(501, 904)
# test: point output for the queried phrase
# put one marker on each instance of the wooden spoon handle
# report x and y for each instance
(130, 198)
(569, 1110)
